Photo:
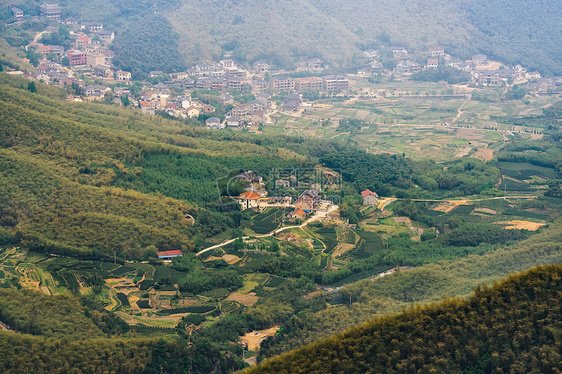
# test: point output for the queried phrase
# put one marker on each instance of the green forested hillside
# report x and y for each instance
(93, 179)
(424, 284)
(514, 326)
(170, 34)
(526, 32)
(65, 334)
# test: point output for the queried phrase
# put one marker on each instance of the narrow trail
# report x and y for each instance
(314, 218)
(459, 112)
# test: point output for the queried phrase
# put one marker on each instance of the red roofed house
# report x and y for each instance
(167, 255)
(249, 199)
(369, 197)
(432, 63)
(82, 41)
(192, 111)
(44, 50)
(298, 214)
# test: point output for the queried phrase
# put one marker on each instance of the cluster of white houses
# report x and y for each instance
(436, 56)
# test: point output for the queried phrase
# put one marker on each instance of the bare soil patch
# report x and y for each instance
(485, 210)
(341, 249)
(246, 300)
(532, 226)
(447, 206)
(484, 154)
(253, 339)
(231, 259)
(405, 220)
(468, 134)
(212, 258)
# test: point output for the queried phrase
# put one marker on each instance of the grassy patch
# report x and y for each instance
(274, 281)
(462, 210)
(293, 250)
(194, 319)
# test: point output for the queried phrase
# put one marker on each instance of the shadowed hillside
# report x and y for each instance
(513, 326)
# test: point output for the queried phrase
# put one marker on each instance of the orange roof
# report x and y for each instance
(84, 38)
(144, 103)
(301, 213)
(174, 252)
(367, 193)
(249, 195)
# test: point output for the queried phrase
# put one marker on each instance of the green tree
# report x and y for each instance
(31, 87)
(125, 100)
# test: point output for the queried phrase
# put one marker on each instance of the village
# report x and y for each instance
(87, 67)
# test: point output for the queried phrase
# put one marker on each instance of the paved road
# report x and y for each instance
(320, 215)
(484, 199)
(317, 216)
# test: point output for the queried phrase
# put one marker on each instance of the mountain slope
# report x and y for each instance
(283, 31)
(422, 285)
(514, 326)
(527, 32)
(172, 34)
(87, 179)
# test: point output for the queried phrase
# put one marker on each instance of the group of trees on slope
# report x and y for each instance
(513, 326)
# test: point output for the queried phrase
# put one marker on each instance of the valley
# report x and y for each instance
(195, 187)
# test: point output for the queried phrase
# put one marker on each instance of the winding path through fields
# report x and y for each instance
(314, 218)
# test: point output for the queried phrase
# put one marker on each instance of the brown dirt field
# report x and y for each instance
(484, 154)
(167, 293)
(463, 152)
(212, 258)
(532, 226)
(341, 249)
(133, 301)
(492, 65)
(187, 302)
(253, 339)
(45, 290)
(246, 300)
(116, 282)
(34, 285)
(447, 206)
(405, 220)
(231, 259)
(468, 134)
(484, 210)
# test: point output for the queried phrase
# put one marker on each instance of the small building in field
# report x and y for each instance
(168, 255)
(479, 60)
(121, 75)
(432, 63)
(369, 197)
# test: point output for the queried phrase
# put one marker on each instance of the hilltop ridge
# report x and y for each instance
(513, 326)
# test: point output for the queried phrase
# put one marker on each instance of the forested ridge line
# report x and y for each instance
(512, 326)
(182, 32)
